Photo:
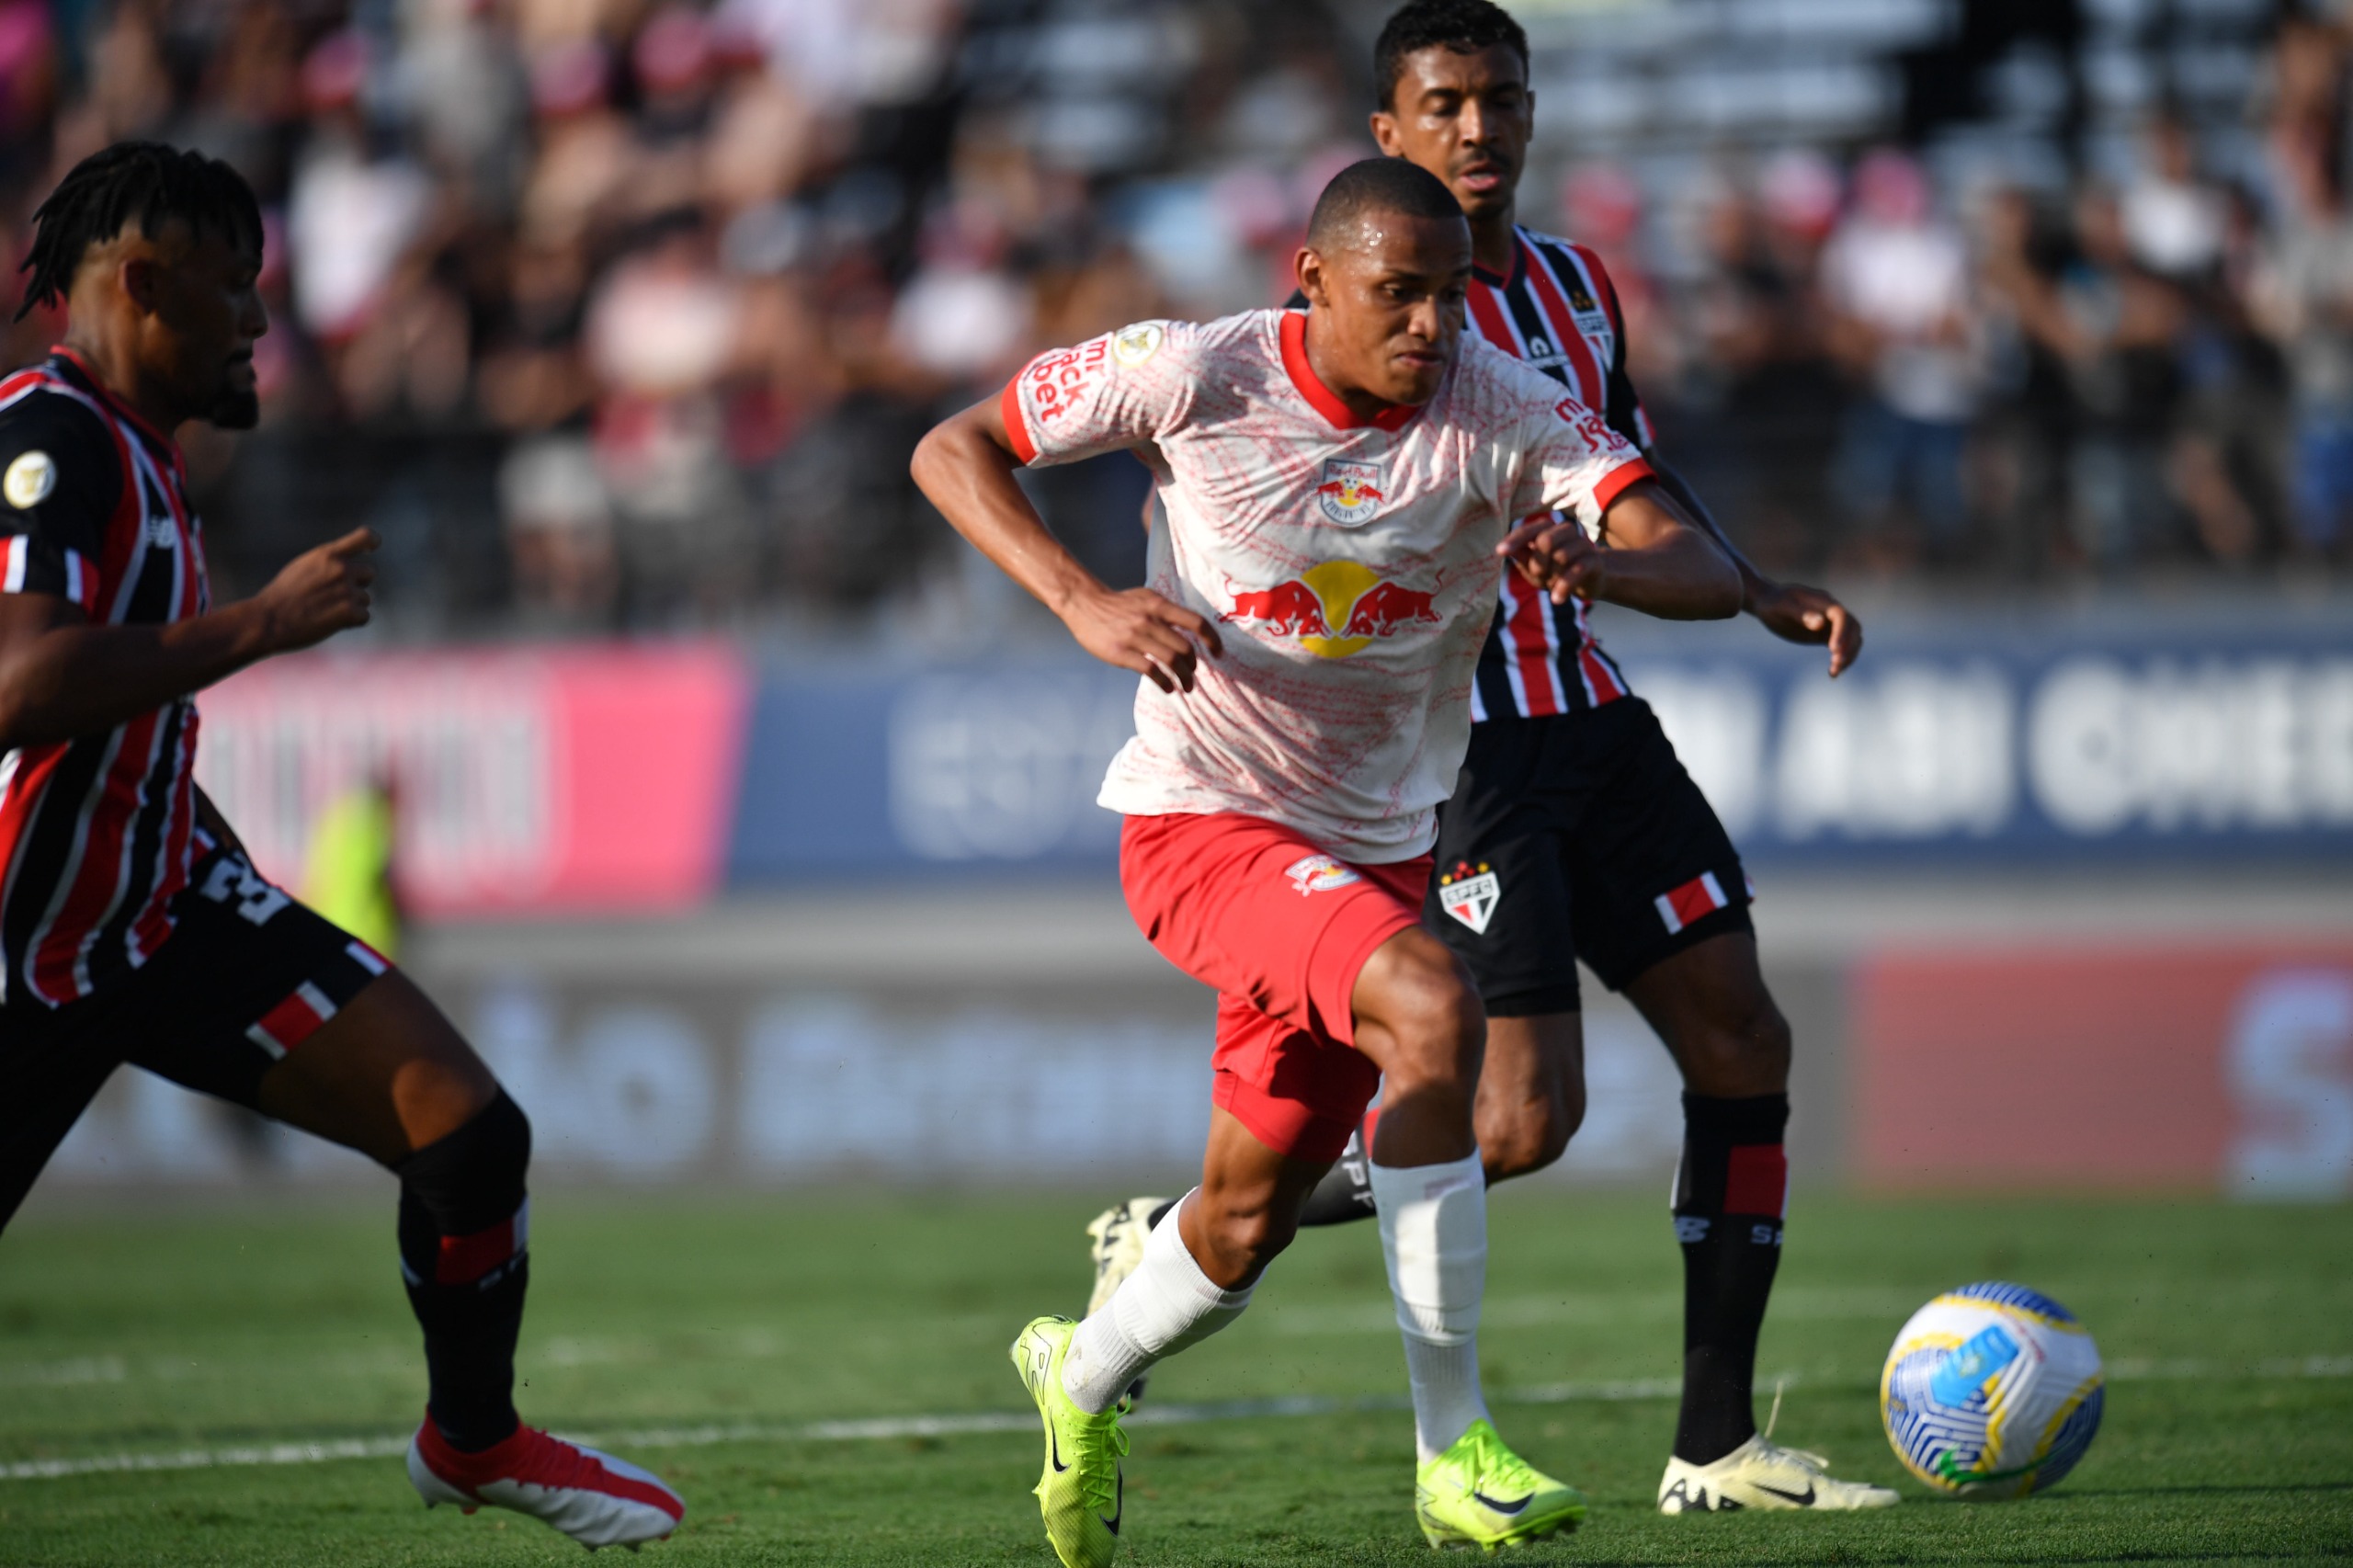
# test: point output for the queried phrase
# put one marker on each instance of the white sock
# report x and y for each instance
(1434, 1232)
(1164, 1306)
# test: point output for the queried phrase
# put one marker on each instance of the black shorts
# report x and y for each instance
(247, 976)
(1577, 836)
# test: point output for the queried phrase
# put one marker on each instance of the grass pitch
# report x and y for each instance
(703, 1336)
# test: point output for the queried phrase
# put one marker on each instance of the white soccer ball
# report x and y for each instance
(1992, 1391)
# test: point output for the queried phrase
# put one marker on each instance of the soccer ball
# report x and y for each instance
(1992, 1391)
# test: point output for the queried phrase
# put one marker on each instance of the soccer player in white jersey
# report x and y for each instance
(1575, 832)
(1341, 486)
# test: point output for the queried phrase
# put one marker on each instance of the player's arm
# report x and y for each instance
(1792, 611)
(1650, 558)
(63, 676)
(1789, 611)
(965, 465)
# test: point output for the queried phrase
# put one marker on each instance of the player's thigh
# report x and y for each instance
(387, 1075)
(1652, 872)
(1531, 1091)
(258, 1000)
(50, 1068)
(1709, 1004)
(1501, 896)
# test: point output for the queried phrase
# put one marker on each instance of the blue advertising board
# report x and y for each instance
(2145, 741)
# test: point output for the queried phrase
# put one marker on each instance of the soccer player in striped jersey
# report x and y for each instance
(1576, 832)
(132, 927)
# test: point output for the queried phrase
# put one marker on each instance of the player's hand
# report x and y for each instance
(1796, 613)
(320, 592)
(1137, 630)
(1556, 556)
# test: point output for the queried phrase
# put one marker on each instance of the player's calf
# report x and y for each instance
(464, 1234)
(1531, 1092)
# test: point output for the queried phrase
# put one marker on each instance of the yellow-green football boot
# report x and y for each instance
(1080, 1492)
(1479, 1494)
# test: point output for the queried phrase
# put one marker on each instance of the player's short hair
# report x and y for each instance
(145, 182)
(1376, 185)
(1459, 27)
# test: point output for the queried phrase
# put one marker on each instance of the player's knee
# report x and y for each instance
(481, 1161)
(1533, 1134)
(1424, 1005)
(1742, 1049)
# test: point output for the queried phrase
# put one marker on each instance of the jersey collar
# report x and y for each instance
(1518, 265)
(1323, 399)
(77, 371)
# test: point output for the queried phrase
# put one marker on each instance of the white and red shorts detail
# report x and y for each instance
(593, 1497)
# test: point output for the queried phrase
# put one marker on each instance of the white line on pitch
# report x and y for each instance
(890, 1427)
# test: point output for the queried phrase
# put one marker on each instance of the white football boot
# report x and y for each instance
(1761, 1474)
(594, 1498)
(1116, 1236)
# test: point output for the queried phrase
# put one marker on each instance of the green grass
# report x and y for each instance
(194, 1328)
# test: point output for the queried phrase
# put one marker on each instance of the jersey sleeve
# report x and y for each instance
(1574, 463)
(59, 483)
(1623, 406)
(1119, 392)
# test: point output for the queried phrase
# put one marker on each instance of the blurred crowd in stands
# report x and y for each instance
(616, 314)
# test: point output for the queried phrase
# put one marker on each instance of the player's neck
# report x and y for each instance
(1361, 405)
(1493, 240)
(109, 358)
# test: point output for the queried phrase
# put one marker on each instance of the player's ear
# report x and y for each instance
(141, 281)
(1384, 132)
(1307, 267)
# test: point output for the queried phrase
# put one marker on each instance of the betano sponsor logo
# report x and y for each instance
(1335, 608)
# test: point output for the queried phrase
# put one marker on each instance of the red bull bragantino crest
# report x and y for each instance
(1335, 608)
(1350, 492)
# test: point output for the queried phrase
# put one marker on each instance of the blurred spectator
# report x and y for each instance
(1897, 283)
(2306, 296)
(559, 532)
(2175, 222)
(625, 313)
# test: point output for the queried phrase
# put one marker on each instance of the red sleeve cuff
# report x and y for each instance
(1017, 426)
(1617, 481)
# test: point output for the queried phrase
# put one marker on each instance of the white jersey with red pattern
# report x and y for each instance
(1557, 310)
(95, 832)
(1351, 563)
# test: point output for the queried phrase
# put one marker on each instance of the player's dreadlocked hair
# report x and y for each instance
(1459, 27)
(145, 181)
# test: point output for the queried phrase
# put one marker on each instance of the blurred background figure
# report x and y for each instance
(349, 874)
(741, 252)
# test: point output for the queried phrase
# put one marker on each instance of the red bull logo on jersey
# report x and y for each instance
(1335, 608)
(1350, 492)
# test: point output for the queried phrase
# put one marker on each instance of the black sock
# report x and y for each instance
(1729, 1196)
(1346, 1191)
(463, 1229)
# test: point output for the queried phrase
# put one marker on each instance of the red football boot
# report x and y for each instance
(594, 1498)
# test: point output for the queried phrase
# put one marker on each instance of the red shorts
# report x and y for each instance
(1282, 930)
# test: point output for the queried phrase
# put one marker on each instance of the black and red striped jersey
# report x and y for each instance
(95, 832)
(1557, 310)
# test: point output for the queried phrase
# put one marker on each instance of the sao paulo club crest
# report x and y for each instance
(1469, 894)
(1350, 492)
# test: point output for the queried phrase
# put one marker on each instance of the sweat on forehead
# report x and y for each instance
(1376, 187)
